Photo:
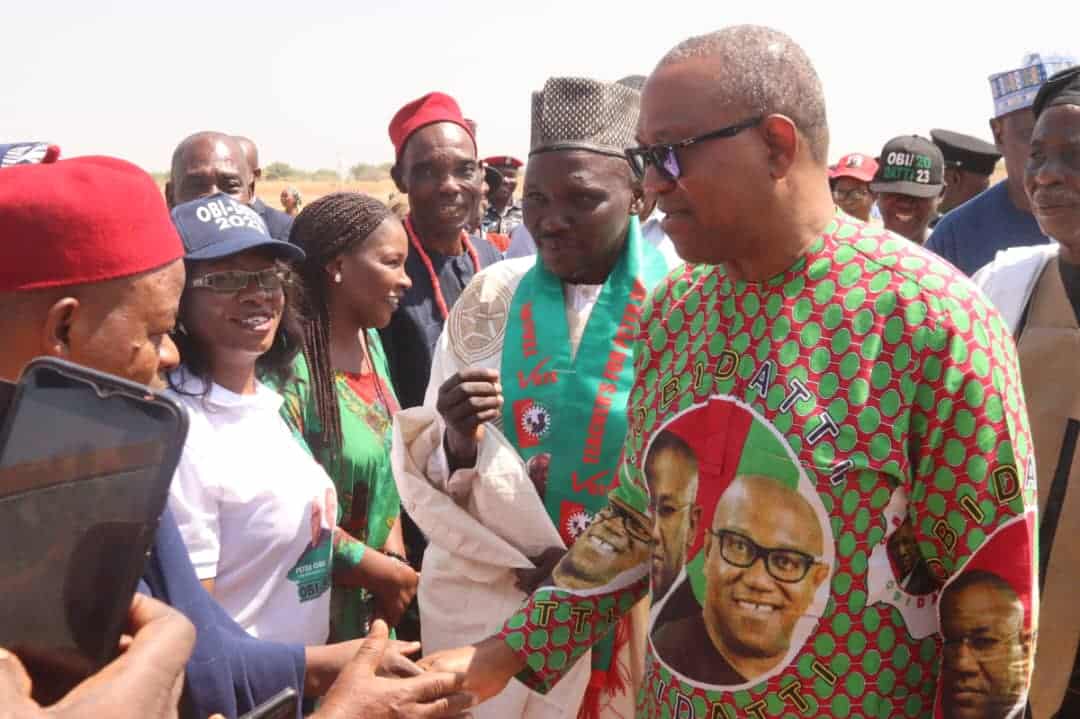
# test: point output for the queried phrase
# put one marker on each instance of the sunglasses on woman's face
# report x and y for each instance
(664, 156)
(274, 278)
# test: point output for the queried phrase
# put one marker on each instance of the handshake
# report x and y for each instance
(374, 677)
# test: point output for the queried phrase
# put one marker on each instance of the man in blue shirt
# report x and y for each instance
(999, 218)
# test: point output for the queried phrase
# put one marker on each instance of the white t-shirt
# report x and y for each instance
(256, 511)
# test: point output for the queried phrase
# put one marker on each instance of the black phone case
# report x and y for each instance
(109, 554)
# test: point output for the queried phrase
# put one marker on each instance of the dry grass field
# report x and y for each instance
(384, 190)
(270, 190)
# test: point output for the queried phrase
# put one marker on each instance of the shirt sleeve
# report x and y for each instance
(194, 498)
(972, 498)
(556, 626)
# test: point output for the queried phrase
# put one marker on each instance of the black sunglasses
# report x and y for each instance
(664, 158)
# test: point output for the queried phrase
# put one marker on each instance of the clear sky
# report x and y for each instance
(315, 83)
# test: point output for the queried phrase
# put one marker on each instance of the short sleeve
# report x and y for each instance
(195, 502)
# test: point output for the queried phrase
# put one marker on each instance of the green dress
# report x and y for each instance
(368, 501)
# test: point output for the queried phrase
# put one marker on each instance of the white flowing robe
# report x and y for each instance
(484, 523)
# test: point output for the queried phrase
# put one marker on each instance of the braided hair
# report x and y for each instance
(328, 227)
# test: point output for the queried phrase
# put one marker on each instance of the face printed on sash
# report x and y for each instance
(617, 540)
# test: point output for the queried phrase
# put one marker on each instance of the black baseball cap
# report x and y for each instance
(910, 165)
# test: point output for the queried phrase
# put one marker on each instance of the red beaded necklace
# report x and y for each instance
(415, 241)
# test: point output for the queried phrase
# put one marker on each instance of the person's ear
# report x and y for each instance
(996, 131)
(637, 198)
(821, 573)
(782, 139)
(695, 518)
(334, 268)
(56, 330)
(399, 179)
(168, 194)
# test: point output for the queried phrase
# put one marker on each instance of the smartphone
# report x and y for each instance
(85, 465)
(283, 705)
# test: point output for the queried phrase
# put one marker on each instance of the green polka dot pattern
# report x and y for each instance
(912, 384)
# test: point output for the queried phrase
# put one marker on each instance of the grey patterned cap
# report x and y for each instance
(576, 113)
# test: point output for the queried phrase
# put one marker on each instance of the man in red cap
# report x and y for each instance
(503, 212)
(850, 181)
(91, 271)
(436, 166)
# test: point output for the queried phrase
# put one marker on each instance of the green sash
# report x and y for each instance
(574, 410)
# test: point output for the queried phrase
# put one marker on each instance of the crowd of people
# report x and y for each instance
(671, 419)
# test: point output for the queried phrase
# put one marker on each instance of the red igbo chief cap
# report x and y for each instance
(87, 219)
(431, 108)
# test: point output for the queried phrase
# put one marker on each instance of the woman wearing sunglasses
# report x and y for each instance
(256, 511)
(341, 400)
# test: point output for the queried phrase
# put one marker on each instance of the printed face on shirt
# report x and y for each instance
(903, 548)
(577, 206)
(671, 471)
(985, 667)
(1052, 176)
(617, 540)
(239, 325)
(751, 611)
(373, 277)
(439, 171)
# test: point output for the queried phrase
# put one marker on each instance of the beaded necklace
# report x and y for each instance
(415, 241)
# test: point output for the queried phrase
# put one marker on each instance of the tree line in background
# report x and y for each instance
(360, 172)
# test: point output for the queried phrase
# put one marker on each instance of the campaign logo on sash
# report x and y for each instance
(532, 421)
(573, 521)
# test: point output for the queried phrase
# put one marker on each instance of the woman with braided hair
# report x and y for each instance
(341, 401)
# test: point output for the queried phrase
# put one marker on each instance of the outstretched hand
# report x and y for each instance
(487, 666)
(359, 692)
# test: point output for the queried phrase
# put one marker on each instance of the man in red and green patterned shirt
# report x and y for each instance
(854, 410)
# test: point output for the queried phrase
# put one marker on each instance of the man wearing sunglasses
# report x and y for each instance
(762, 568)
(875, 362)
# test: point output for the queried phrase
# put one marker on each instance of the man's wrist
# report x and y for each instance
(460, 452)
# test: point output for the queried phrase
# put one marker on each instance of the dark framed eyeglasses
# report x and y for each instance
(664, 156)
(274, 278)
(783, 565)
(633, 526)
(855, 193)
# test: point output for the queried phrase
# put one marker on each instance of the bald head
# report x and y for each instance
(251, 154)
(764, 72)
(772, 513)
(206, 163)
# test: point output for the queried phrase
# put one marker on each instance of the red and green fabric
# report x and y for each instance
(368, 501)
(572, 407)
(876, 368)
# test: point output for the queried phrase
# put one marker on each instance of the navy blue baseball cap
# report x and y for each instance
(218, 226)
